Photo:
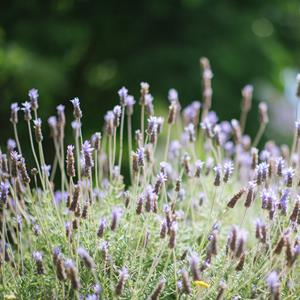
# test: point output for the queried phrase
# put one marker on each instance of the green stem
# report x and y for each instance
(142, 122)
(121, 138)
(34, 154)
(129, 130)
(17, 138)
(168, 142)
(259, 134)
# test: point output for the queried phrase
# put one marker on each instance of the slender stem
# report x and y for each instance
(244, 216)
(129, 130)
(175, 275)
(77, 155)
(3, 244)
(110, 155)
(42, 160)
(96, 170)
(34, 154)
(259, 134)
(114, 147)
(62, 163)
(243, 120)
(293, 146)
(155, 262)
(54, 167)
(121, 138)
(168, 142)
(17, 138)
(142, 122)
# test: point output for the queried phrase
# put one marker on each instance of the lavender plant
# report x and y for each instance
(206, 215)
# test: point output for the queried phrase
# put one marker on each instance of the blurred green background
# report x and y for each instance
(90, 49)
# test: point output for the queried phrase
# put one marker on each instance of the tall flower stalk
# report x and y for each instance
(169, 232)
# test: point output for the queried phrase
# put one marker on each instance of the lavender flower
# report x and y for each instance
(23, 171)
(150, 198)
(190, 130)
(72, 275)
(52, 122)
(140, 156)
(288, 177)
(117, 114)
(129, 104)
(61, 121)
(274, 284)
(87, 259)
(161, 178)
(123, 276)
(33, 96)
(38, 130)
(173, 108)
(70, 161)
(217, 180)
(283, 204)
(59, 262)
(37, 256)
(77, 111)
(279, 245)
(46, 170)
(36, 229)
(207, 127)
(191, 113)
(14, 113)
(11, 145)
(228, 170)
(198, 168)
(149, 104)
(123, 92)
(116, 214)
(144, 91)
(27, 111)
(173, 95)
(263, 113)
(250, 194)
(296, 210)
(87, 151)
(194, 262)
(262, 173)
(158, 290)
(101, 228)
(60, 196)
(237, 134)
(186, 286)
(174, 149)
(109, 121)
(240, 245)
(163, 229)
(280, 166)
(15, 157)
(4, 189)
(247, 92)
(152, 124)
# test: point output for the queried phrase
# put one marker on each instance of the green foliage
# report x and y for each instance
(91, 48)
